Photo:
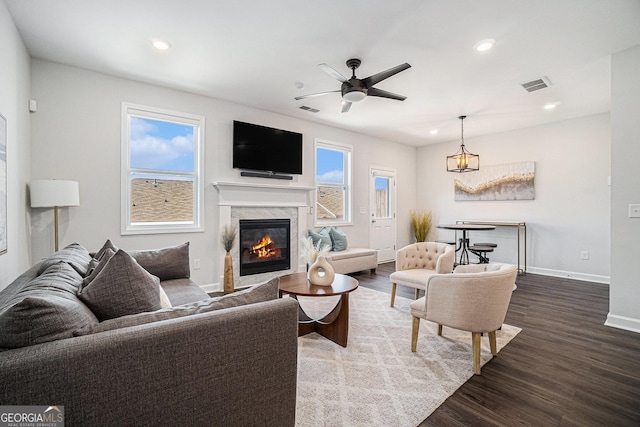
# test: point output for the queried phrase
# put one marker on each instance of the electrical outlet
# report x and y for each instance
(363, 210)
(584, 255)
(634, 211)
(196, 264)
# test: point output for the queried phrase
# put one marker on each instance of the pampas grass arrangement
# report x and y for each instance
(228, 237)
(311, 252)
(420, 224)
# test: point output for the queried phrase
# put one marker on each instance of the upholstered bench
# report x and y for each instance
(352, 260)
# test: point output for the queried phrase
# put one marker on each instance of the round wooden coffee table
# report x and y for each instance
(335, 325)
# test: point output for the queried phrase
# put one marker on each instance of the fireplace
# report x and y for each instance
(264, 245)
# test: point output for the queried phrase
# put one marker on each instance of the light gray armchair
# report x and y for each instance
(474, 298)
(417, 261)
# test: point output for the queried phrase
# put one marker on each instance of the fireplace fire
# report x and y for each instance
(264, 245)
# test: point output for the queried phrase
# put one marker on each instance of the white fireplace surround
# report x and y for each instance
(238, 201)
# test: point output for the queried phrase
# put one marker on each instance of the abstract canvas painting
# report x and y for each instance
(513, 181)
(3, 184)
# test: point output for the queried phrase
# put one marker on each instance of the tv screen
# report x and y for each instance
(262, 148)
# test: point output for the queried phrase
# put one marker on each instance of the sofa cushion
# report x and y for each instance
(166, 263)
(45, 309)
(75, 255)
(255, 294)
(122, 287)
(351, 253)
(338, 239)
(183, 291)
(322, 236)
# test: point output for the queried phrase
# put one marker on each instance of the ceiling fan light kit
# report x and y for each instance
(355, 89)
(463, 160)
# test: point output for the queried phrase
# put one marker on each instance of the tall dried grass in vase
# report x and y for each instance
(311, 252)
(228, 239)
(420, 224)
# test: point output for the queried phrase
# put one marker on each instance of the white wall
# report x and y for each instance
(14, 96)
(570, 212)
(624, 303)
(76, 136)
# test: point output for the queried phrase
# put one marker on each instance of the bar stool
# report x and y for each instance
(481, 250)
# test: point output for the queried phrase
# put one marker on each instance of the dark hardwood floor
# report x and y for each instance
(564, 369)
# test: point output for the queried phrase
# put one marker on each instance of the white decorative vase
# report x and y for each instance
(321, 272)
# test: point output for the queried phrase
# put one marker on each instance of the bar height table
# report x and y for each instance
(464, 241)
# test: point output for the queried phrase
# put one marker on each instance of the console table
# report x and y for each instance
(518, 225)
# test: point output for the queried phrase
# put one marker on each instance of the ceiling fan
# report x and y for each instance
(355, 89)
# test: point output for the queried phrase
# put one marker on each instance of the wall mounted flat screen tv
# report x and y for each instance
(262, 148)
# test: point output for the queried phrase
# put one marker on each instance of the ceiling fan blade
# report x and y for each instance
(298, 98)
(376, 78)
(333, 73)
(345, 106)
(384, 94)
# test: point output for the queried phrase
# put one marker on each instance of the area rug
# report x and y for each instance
(376, 380)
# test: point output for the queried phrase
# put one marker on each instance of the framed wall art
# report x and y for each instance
(513, 181)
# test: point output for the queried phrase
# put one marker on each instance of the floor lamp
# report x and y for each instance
(53, 193)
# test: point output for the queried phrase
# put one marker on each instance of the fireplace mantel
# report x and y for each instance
(258, 194)
(245, 200)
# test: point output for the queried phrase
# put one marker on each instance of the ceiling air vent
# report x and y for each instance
(538, 84)
(310, 109)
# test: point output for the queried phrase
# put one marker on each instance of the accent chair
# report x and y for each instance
(416, 262)
(474, 298)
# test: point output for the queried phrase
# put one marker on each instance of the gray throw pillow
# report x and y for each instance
(263, 292)
(122, 287)
(338, 239)
(322, 236)
(45, 309)
(75, 255)
(107, 245)
(166, 263)
(96, 267)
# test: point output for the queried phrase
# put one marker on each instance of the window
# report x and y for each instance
(333, 183)
(161, 167)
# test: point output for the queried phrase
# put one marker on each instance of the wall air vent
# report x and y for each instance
(310, 109)
(537, 84)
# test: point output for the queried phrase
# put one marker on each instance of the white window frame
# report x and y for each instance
(348, 171)
(145, 112)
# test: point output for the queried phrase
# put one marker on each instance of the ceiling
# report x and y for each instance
(254, 52)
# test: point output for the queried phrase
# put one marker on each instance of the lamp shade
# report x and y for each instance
(47, 193)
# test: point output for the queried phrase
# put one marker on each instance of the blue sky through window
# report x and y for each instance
(329, 166)
(160, 145)
(382, 183)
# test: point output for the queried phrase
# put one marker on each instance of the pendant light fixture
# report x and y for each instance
(463, 161)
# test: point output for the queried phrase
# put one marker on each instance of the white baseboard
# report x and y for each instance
(621, 322)
(570, 275)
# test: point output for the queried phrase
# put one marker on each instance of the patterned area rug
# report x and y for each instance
(376, 380)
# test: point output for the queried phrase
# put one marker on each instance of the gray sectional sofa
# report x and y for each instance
(227, 361)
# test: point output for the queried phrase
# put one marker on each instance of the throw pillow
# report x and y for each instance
(107, 245)
(166, 263)
(46, 309)
(122, 287)
(96, 266)
(322, 237)
(75, 255)
(338, 239)
(263, 292)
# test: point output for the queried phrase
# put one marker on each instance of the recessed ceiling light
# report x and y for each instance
(484, 45)
(433, 131)
(299, 85)
(161, 44)
(551, 105)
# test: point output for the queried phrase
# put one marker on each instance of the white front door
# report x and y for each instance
(383, 213)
